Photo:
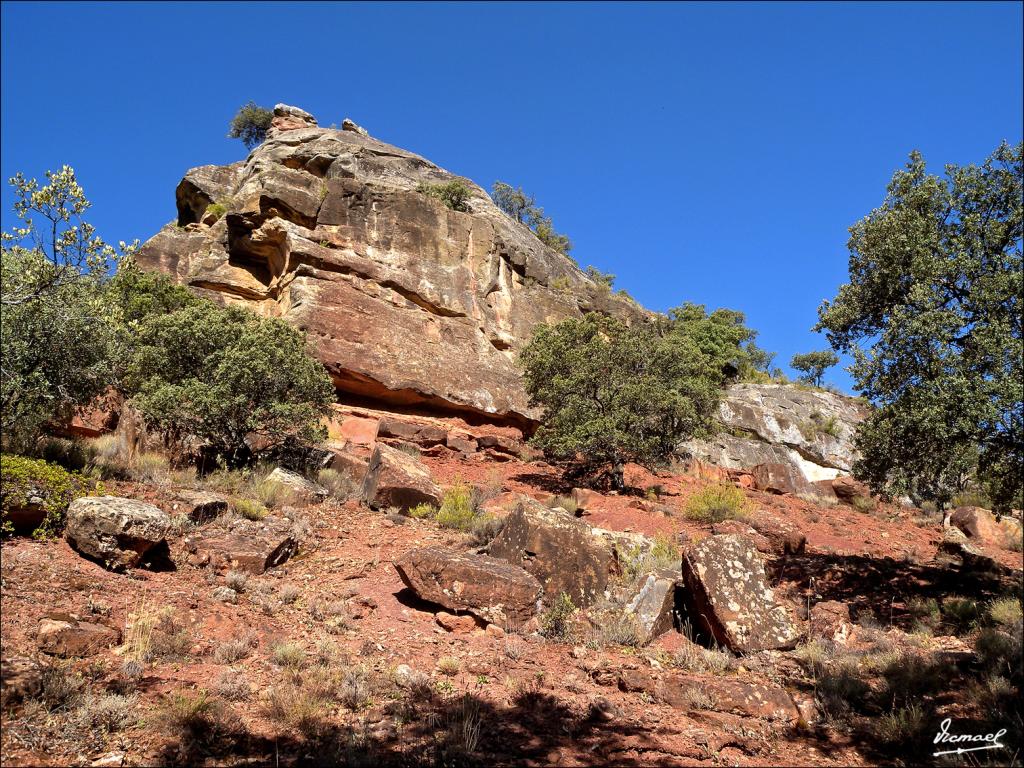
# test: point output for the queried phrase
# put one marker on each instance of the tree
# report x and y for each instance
(723, 338)
(225, 375)
(932, 317)
(53, 333)
(250, 124)
(813, 365)
(612, 393)
(454, 194)
(524, 209)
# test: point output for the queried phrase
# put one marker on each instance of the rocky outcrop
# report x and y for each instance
(729, 598)
(243, 545)
(119, 533)
(491, 589)
(810, 431)
(405, 301)
(653, 604)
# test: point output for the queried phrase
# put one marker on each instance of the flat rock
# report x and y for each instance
(117, 532)
(396, 479)
(250, 546)
(728, 596)
(64, 635)
(412, 432)
(491, 589)
(302, 490)
(563, 553)
(199, 506)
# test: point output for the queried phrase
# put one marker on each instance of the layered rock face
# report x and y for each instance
(406, 301)
(810, 430)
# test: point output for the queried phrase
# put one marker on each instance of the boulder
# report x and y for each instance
(562, 552)
(289, 118)
(847, 489)
(120, 533)
(199, 506)
(244, 545)
(300, 489)
(720, 694)
(779, 478)
(784, 538)
(955, 544)
(728, 596)
(653, 604)
(459, 624)
(396, 479)
(21, 678)
(491, 589)
(412, 432)
(830, 619)
(65, 635)
(586, 499)
(982, 527)
(351, 125)
(462, 443)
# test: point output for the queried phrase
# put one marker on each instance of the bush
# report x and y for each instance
(454, 194)
(216, 209)
(663, 553)
(28, 483)
(716, 503)
(250, 124)
(340, 486)
(558, 622)
(457, 509)
(222, 375)
(249, 509)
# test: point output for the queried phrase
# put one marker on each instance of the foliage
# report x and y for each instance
(523, 208)
(52, 265)
(223, 374)
(457, 509)
(813, 365)
(723, 337)
(250, 124)
(33, 479)
(932, 316)
(605, 280)
(454, 194)
(663, 553)
(612, 393)
(716, 503)
(558, 622)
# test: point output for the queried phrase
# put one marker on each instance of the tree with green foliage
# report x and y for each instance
(605, 280)
(53, 335)
(613, 393)
(250, 124)
(454, 194)
(224, 375)
(723, 338)
(932, 317)
(812, 365)
(523, 208)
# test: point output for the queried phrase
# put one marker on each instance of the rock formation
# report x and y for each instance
(405, 301)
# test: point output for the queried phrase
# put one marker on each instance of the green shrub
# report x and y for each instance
(961, 613)
(663, 553)
(454, 194)
(558, 622)
(716, 503)
(35, 483)
(924, 611)
(1006, 612)
(250, 124)
(249, 509)
(217, 209)
(457, 509)
(423, 511)
(568, 503)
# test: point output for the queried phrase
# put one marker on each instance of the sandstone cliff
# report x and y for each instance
(406, 301)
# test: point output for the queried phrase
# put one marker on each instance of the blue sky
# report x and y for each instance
(713, 153)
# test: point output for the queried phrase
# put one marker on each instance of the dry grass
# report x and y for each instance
(717, 503)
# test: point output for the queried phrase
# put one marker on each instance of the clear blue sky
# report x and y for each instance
(712, 153)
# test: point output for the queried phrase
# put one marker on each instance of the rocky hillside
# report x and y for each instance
(408, 301)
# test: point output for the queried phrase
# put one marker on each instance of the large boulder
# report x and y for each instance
(405, 300)
(720, 694)
(118, 532)
(491, 589)
(412, 432)
(294, 485)
(243, 545)
(779, 478)
(982, 527)
(66, 635)
(652, 605)
(562, 552)
(396, 479)
(729, 598)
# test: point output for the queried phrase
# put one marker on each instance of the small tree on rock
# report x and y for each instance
(812, 365)
(251, 124)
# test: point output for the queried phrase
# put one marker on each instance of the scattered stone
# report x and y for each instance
(396, 479)
(654, 604)
(109, 760)
(225, 595)
(586, 499)
(500, 444)
(955, 544)
(461, 443)
(494, 630)
(831, 620)
(457, 624)
(250, 546)
(728, 596)
(199, 506)
(489, 588)
(603, 709)
(302, 490)
(848, 489)
(784, 538)
(20, 679)
(65, 635)
(563, 553)
(119, 533)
